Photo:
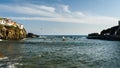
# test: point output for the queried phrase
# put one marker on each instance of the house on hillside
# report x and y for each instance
(3, 21)
(9, 22)
(20, 26)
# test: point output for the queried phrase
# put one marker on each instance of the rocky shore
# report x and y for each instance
(112, 33)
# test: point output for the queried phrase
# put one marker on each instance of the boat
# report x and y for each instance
(63, 38)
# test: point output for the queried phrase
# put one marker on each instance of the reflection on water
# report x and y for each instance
(75, 52)
(9, 55)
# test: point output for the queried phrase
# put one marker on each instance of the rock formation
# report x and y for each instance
(112, 33)
(31, 35)
(10, 30)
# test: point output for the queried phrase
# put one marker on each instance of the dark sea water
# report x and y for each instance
(54, 52)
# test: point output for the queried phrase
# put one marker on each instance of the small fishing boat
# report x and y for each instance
(63, 38)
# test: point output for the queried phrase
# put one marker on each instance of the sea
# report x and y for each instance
(60, 51)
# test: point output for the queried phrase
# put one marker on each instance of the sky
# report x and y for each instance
(62, 17)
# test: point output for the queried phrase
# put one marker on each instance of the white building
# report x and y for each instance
(9, 22)
(3, 21)
(20, 26)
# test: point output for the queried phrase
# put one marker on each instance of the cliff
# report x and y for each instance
(112, 33)
(10, 30)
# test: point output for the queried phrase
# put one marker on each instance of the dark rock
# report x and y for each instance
(112, 33)
(93, 34)
(31, 35)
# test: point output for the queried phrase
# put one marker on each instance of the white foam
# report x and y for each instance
(3, 58)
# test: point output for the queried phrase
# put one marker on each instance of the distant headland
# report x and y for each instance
(112, 33)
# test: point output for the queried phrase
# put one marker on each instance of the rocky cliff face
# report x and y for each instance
(11, 32)
(112, 33)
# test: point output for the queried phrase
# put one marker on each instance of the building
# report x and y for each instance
(20, 26)
(3, 21)
(9, 22)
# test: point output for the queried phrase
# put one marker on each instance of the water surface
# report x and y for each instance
(53, 52)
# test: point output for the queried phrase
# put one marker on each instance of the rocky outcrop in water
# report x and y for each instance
(10, 30)
(112, 33)
(32, 35)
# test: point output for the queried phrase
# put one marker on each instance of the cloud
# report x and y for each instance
(51, 13)
(50, 9)
(42, 7)
(79, 14)
(66, 8)
(87, 20)
(29, 9)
